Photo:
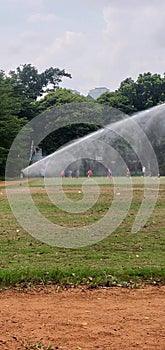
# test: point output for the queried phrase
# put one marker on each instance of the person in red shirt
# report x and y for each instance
(90, 173)
(128, 172)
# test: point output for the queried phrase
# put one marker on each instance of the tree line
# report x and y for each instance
(19, 103)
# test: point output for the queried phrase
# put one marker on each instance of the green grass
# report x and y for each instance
(36, 346)
(122, 258)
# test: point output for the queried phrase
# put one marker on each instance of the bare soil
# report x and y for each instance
(15, 182)
(81, 319)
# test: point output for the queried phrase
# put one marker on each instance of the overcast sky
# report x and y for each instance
(100, 42)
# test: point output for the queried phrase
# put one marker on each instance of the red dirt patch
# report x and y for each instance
(76, 319)
(15, 182)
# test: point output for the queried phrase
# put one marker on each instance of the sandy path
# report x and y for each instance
(77, 319)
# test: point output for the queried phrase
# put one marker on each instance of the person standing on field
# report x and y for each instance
(128, 172)
(143, 170)
(109, 173)
(62, 173)
(90, 173)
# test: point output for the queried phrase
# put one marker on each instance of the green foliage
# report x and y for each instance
(117, 100)
(18, 104)
(65, 135)
(9, 102)
(34, 84)
(133, 96)
(30, 84)
(18, 93)
(79, 117)
(9, 123)
(70, 132)
(58, 98)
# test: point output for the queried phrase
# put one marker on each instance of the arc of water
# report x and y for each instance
(128, 129)
(138, 140)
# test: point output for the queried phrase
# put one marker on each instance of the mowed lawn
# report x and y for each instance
(123, 257)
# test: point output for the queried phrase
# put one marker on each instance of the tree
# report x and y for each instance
(33, 84)
(29, 84)
(58, 98)
(9, 123)
(19, 91)
(117, 100)
(70, 132)
(150, 91)
(133, 96)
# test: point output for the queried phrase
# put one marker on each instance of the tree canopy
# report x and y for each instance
(25, 93)
(18, 93)
(10, 124)
(134, 96)
(33, 84)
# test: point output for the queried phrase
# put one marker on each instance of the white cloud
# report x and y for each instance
(131, 44)
(123, 38)
(62, 49)
(42, 17)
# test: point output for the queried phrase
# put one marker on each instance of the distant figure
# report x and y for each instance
(143, 170)
(77, 173)
(42, 172)
(62, 173)
(128, 172)
(21, 177)
(109, 173)
(158, 174)
(90, 173)
(69, 173)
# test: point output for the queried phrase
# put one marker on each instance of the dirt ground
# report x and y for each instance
(15, 182)
(80, 319)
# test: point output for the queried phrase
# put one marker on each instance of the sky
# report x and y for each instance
(100, 42)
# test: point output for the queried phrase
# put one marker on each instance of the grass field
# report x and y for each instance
(122, 258)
